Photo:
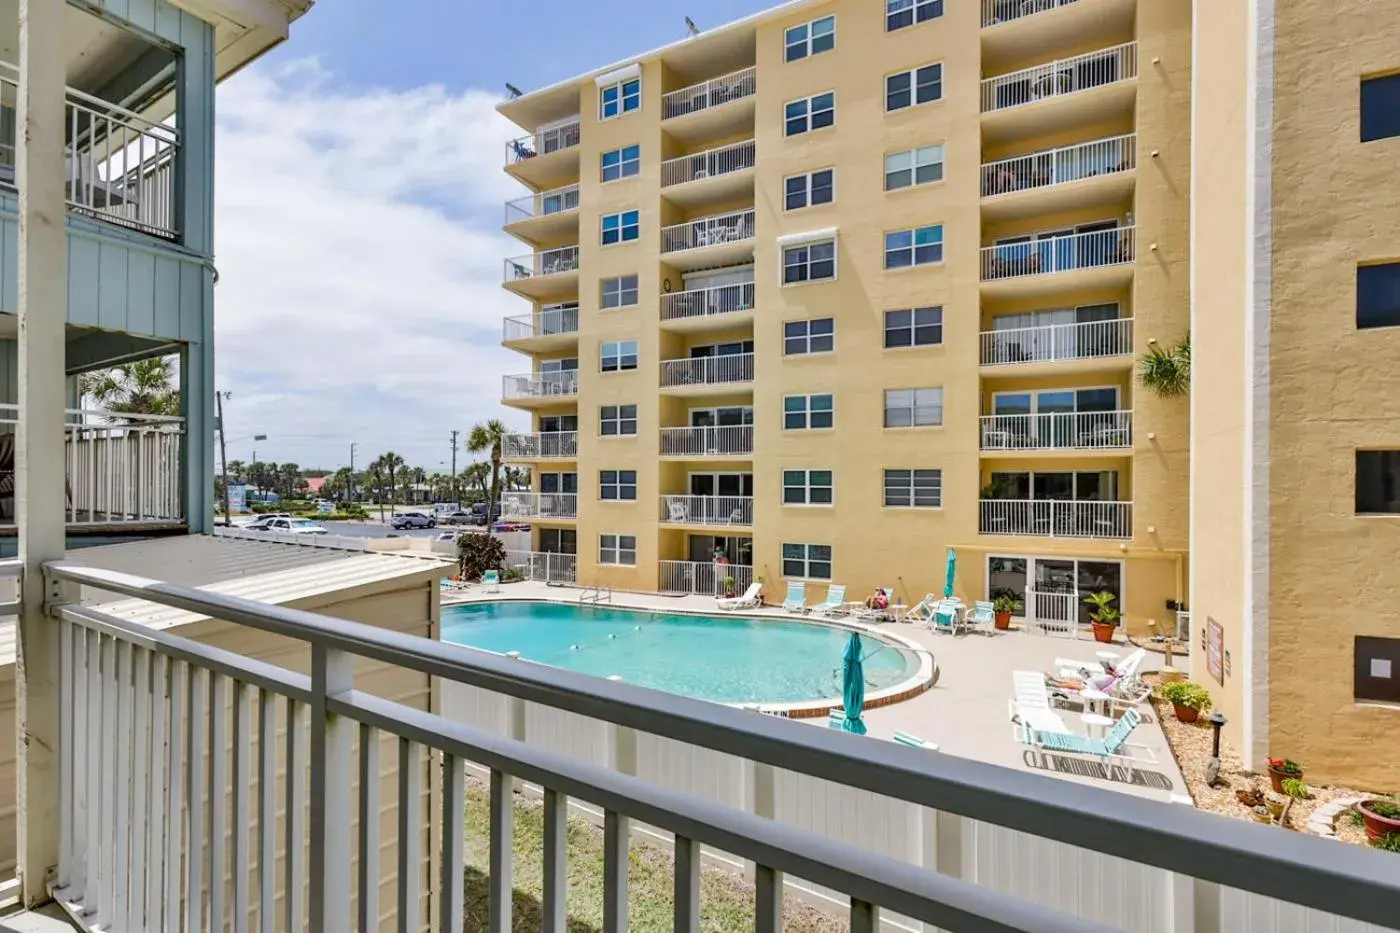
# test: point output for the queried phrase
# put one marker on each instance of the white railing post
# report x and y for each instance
(332, 673)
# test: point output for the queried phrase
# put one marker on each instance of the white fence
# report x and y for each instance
(735, 157)
(707, 370)
(555, 139)
(1059, 430)
(707, 441)
(703, 578)
(1060, 166)
(543, 566)
(539, 505)
(542, 204)
(707, 510)
(995, 12)
(549, 262)
(1060, 77)
(734, 227)
(1053, 613)
(547, 445)
(1051, 342)
(712, 93)
(545, 323)
(702, 302)
(1057, 518)
(539, 385)
(1049, 254)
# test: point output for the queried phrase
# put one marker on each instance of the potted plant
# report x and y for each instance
(1004, 606)
(1281, 768)
(1189, 700)
(1103, 616)
(1275, 804)
(729, 587)
(1381, 816)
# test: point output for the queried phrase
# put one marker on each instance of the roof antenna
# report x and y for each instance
(514, 91)
(690, 25)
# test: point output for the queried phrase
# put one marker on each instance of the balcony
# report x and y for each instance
(721, 174)
(548, 445)
(540, 390)
(548, 215)
(1058, 343)
(553, 272)
(1057, 262)
(706, 308)
(706, 375)
(547, 329)
(1016, 30)
(1068, 430)
(719, 441)
(1056, 518)
(1058, 180)
(543, 566)
(546, 159)
(720, 240)
(539, 505)
(1091, 88)
(710, 511)
(717, 107)
(698, 578)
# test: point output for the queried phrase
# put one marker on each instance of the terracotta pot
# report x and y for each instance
(1189, 714)
(1377, 826)
(1002, 620)
(1103, 632)
(1277, 777)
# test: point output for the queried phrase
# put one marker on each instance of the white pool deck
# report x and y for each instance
(965, 713)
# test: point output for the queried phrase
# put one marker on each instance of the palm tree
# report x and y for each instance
(489, 437)
(391, 463)
(145, 387)
(1167, 373)
(287, 476)
(376, 478)
(477, 475)
(236, 470)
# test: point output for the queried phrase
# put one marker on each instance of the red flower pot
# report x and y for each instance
(1002, 620)
(1277, 777)
(1103, 632)
(1186, 713)
(1377, 826)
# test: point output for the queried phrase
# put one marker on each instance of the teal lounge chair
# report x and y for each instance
(1113, 747)
(913, 741)
(491, 581)
(796, 598)
(982, 616)
(945, 616)
(835, 599)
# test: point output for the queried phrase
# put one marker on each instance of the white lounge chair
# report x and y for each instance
(796, 597)
(1113, 747)
(750, 599)
(913, 741)
(923, 610)
(864, 613)
(835, 599)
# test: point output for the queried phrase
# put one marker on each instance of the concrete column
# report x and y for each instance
(43, 311)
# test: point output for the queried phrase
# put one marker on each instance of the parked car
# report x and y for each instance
(293, 526)
(412, 520)
(262, 522)
(461, 517)
(510, 526)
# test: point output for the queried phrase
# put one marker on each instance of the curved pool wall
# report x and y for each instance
(779, 664)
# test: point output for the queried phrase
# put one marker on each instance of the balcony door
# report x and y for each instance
(1052, 589)
(559, 483)
(553, 424)
(559, 319)
(704, 548)
(559, 377)
(559, 540)
(732, 348)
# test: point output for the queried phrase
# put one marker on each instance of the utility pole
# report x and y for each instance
(223, 448)
(350, 480)
(454, 468)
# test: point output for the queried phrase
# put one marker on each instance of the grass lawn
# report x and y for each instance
(726, 899)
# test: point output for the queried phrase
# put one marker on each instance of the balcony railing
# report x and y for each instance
(703, 578)
(708, 231)
(1051, 254)
(707, 441)
(119, 166)
(1060, 77)
(995, 12)
(540, 385)
(546, 323)
(1052, 342)
(545, 142)
(543, 566)
(707, 370)
(1060, 166)
(707, 510)
(547, 445)
(1057, 518)
(285, 778)
(539, 505)
(1068, 430)
(736, 157)
(701, 302)
(558, 201)
(549, 262)
(712, 93)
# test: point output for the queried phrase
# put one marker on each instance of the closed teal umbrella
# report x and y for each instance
(853, 685)
(952, 572)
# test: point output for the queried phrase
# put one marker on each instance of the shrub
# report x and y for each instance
(511, 576)
(1296, 789)
(478, 553)
(1006, 602)
(1390, 842)
(1387, 808)
(1184, 693)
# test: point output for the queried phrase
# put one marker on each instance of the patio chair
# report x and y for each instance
(983, 616)
(835, 718)
(945, 616)
(796, 597)
(913, 741)
(491, 581)
(750, 599)
(867, 614)
(923, 610)
(835, 599)
(675, 509)
(1113, 747)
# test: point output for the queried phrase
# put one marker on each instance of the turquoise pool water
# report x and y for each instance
(725, 659)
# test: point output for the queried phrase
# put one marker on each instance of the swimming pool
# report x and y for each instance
(727, 659)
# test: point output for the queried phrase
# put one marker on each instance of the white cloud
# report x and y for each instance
(359, 251)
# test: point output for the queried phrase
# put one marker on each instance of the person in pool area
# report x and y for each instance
(719, 556)
(878, 599)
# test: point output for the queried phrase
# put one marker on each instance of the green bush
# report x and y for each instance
(1186, 694)
(1390, 842)
(1296, 789)
(1389, 809)
(478, 553)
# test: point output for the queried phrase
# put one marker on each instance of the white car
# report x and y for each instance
(293, 526)
(261, 522)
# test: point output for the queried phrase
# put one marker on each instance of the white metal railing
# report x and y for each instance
(707, 510)
(735, 157)
(1058, 430)
(703, 578)
(545, 142)
(1050, 254)
(285, 778)
(707, 441)
(1060, 166)
(543, 446)
(1054, 612)
(540, 385)
(995, 12)
(701, 302)
(548, 262)
(539, 505)
(707, 370)
(542, 204)
(1050, 342)
(1060, 77)
(120, 166)
(734, 227)
(1057, 518)
(543, 566)
(712, 93)
(545, 323)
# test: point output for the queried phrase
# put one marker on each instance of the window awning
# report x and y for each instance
(625, 73)
(809, 236)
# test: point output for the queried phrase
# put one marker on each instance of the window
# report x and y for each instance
(617, 550)
(814, 336)
(808, 412)
(901, 13)
(620, 227)
(1377, 482)
(918, 247)
(807, 487)
(810, 113)
(809, 189)
(809, 38)
(619, 292)
(907, 408)
(1380, 108)
(916, 86)
(920, 166)
(1378, 295)
(622, 97)
(807, 561)
(810, 262)
(617, 485)
(619, 355)
(1377, 669)
(617, 420)
(918, 489)
(915, 327)
(622, 163)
